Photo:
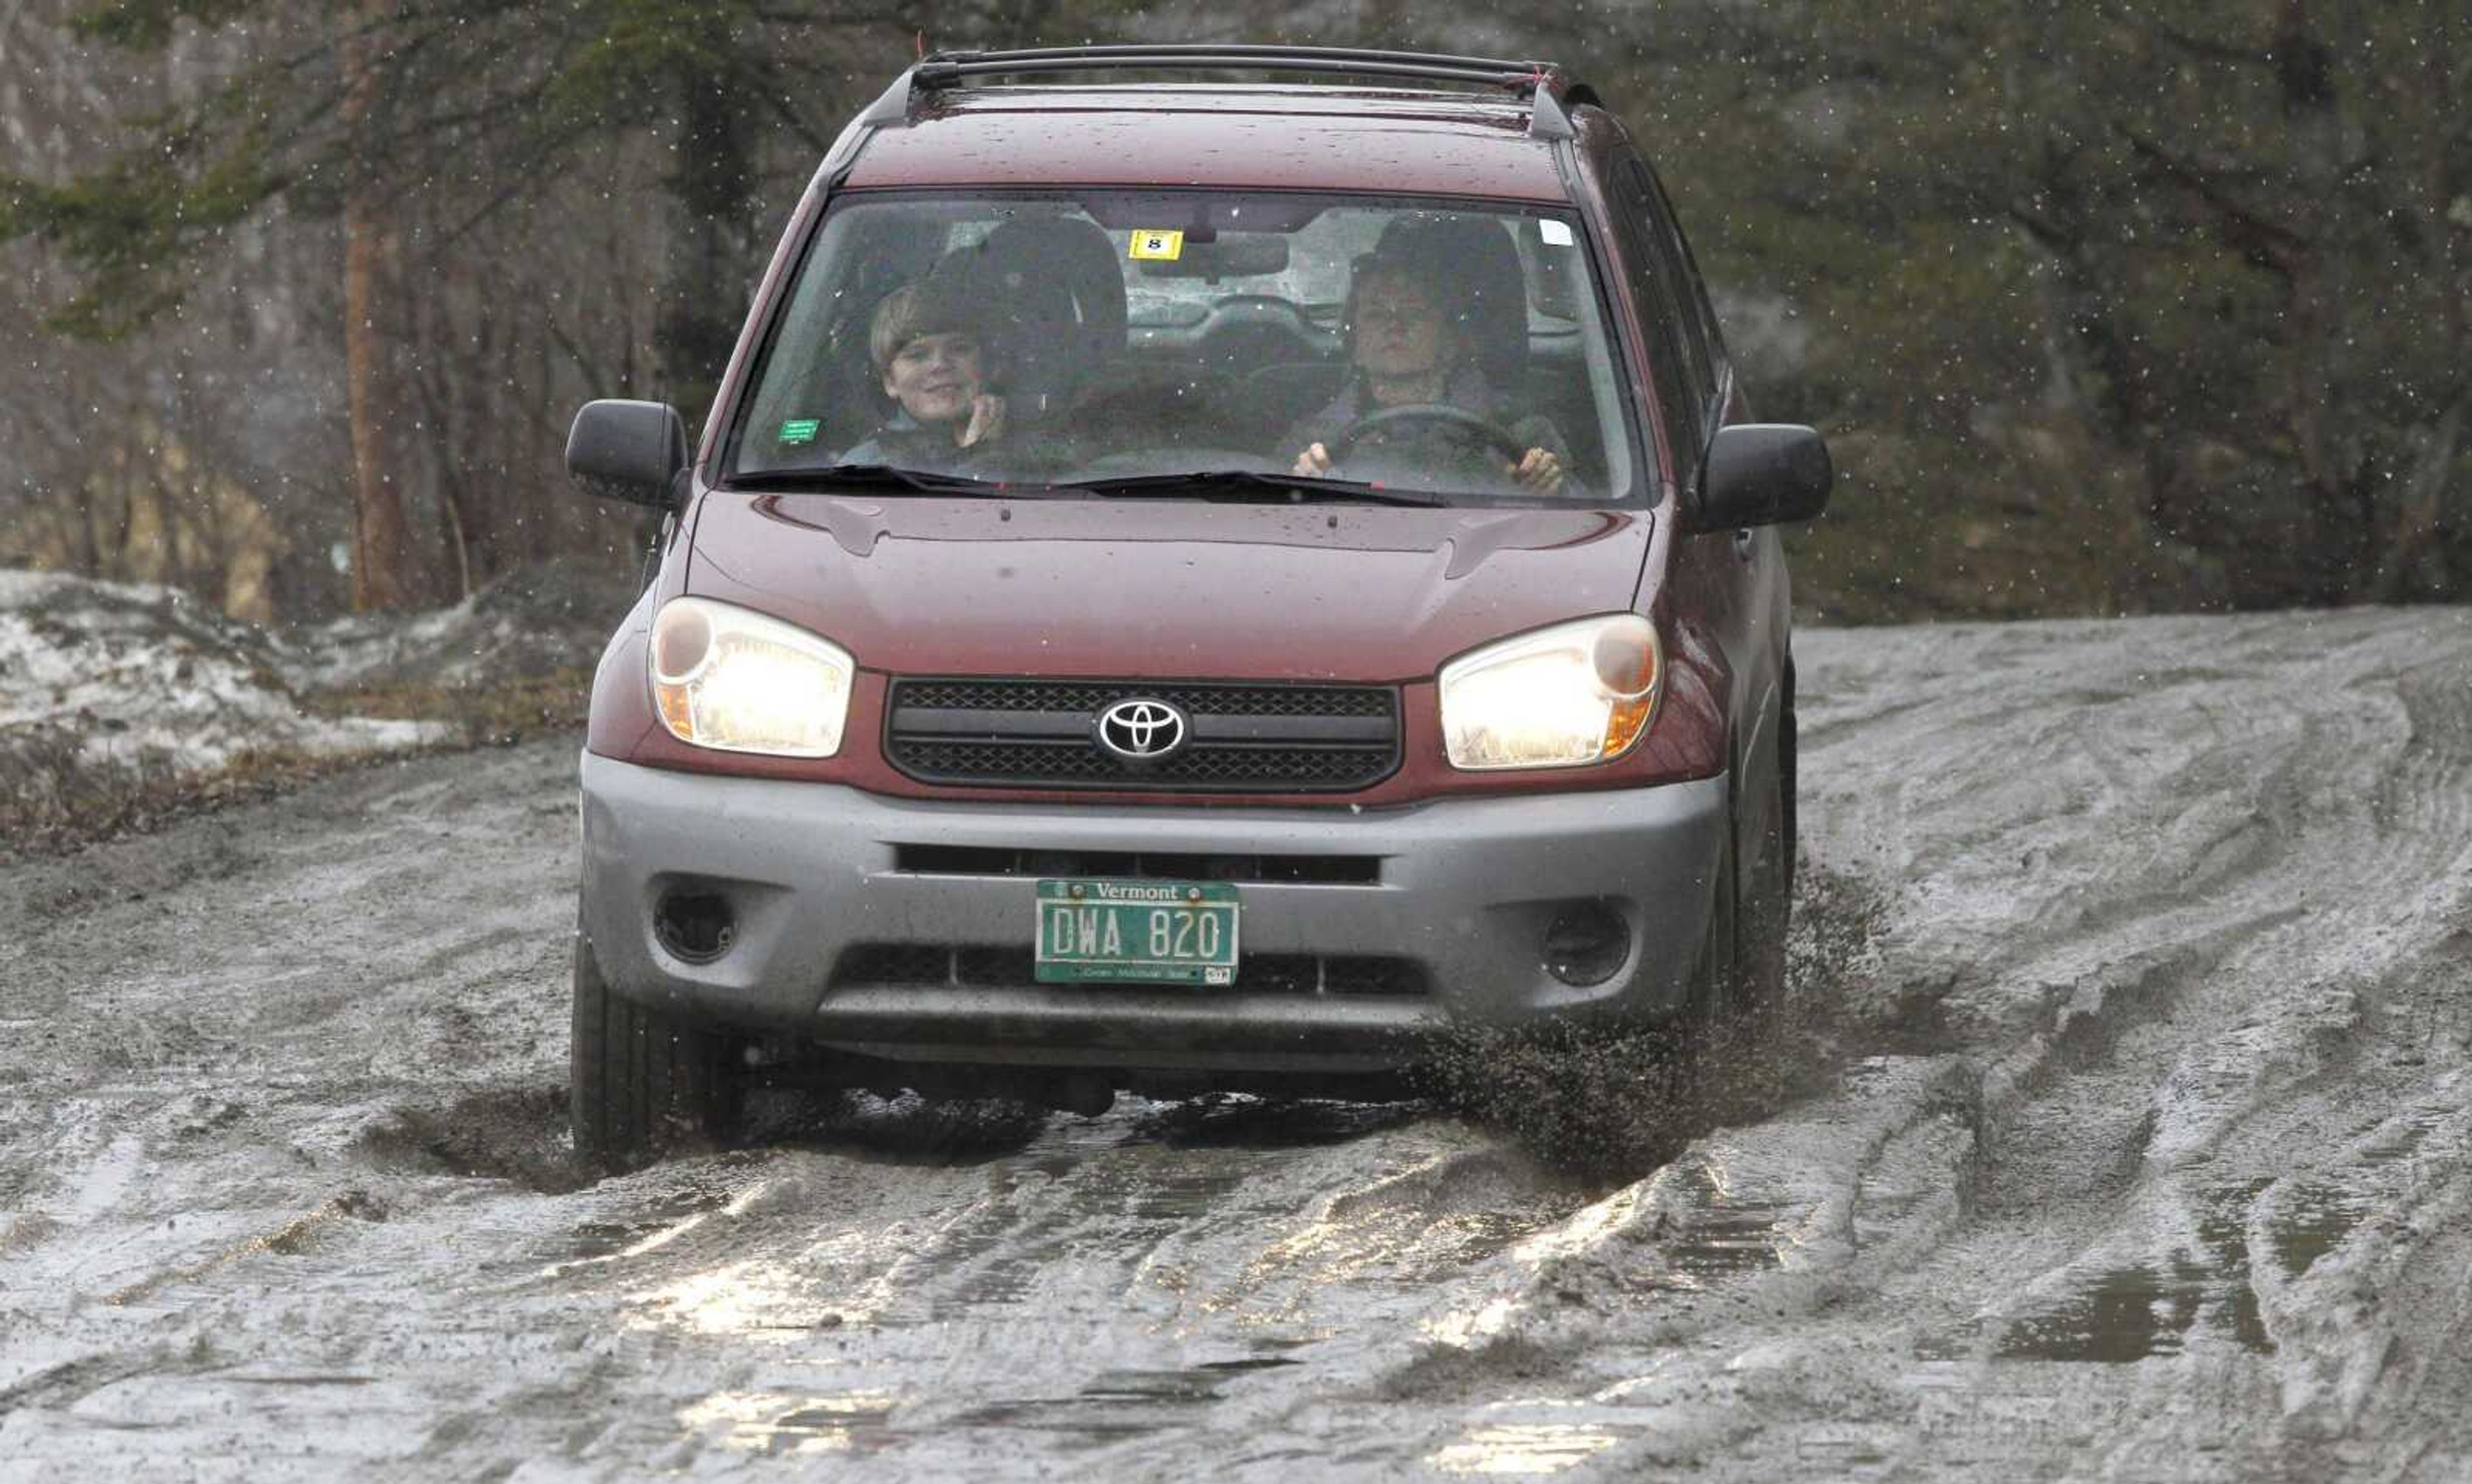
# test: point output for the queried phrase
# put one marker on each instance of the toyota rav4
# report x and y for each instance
(1190, 585)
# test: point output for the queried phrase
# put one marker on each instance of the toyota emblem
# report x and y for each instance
(1141, 731)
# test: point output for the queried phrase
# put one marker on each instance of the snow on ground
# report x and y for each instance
(526, 624)
(104, 683)
(100, 678)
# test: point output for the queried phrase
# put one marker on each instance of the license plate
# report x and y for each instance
(1097, 930)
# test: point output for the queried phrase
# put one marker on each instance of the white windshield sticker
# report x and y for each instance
(1557, 234)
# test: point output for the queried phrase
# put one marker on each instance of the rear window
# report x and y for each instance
(1053, 337)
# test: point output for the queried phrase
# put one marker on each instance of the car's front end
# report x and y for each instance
(1407, 768)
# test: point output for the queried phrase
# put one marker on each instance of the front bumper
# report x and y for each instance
(1466, 890)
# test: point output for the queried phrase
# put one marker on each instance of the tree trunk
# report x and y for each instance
(703, 292)
(384, 572)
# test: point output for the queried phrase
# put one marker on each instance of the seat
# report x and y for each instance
(1131, 404)
(1058, 305)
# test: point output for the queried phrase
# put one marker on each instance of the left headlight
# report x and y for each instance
(1558, 697)
(728, 679)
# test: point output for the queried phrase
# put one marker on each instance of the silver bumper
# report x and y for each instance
(1465, 890)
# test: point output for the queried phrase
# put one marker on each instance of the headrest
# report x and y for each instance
(1057, 270)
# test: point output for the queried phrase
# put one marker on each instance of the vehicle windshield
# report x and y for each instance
(1112, 337)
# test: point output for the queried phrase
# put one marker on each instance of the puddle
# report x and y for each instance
(2312, 1222)
(2395, 1150)
(1721, 1245)
(1472, 1237)
(1178, 1196)
(2126, 1314)
(2225, 1230)
(1127, 1401)
(1722, 1236)
(1156, 1386)
(786, 1423)
(1254, 1362)
(2311, 1218)
(1529, 1447)
(2116, 1316)
(1242, 1122)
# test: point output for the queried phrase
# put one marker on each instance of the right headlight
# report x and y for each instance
(1562, 696)
(733, 679)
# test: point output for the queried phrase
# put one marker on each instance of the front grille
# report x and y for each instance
(931, 965)
(1258, 738)
(1088, 696)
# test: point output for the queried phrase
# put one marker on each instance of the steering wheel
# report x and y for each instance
(1437, 415)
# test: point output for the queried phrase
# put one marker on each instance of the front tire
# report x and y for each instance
(1765, 906)
(642, 1082)
(1716, 987)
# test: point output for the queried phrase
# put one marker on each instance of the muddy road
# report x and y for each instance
(2120, 1133)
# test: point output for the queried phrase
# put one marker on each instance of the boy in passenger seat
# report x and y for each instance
(929, 352)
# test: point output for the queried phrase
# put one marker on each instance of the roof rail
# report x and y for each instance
(1551, 89)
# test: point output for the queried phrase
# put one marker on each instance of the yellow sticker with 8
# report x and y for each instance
(1158, 247)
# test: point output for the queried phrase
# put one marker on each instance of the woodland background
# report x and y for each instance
(2105, 308)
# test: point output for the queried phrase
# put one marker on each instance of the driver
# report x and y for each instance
(928, 349)
(1408, 352)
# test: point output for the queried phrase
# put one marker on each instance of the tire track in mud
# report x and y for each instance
(2168, 1035)
(2095, 1133)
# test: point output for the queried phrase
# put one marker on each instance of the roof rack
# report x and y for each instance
(1552, 90)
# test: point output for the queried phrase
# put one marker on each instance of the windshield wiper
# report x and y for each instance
(1256, 484)
(877, 476)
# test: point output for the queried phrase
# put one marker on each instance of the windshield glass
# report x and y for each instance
(1092, 337)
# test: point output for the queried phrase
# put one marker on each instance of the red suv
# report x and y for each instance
(1189, 585)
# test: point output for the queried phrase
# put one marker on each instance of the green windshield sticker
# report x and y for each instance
(801, 430)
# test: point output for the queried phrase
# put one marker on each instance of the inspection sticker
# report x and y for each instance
(1557, 234)
(1156, 246)
(801, 430)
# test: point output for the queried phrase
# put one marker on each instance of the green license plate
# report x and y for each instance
(1096, 930)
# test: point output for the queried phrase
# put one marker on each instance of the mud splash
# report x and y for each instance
(1613, 1104)
(516, 1134)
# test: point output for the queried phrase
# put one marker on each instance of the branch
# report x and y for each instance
(2059, 242)
(2270, 244)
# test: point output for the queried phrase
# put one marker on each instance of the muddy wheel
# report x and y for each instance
(1715, 980)
(1762, 912)
(643, 1082)
(1789, 757)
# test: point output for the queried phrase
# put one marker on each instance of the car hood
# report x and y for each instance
(1154, 588)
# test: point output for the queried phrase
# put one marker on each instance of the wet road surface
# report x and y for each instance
(2118, 1133)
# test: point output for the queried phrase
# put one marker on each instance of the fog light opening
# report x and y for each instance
(695, 927)
(1586, 943)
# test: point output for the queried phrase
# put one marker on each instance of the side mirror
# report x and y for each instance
(630, 451)
(1762, 474)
